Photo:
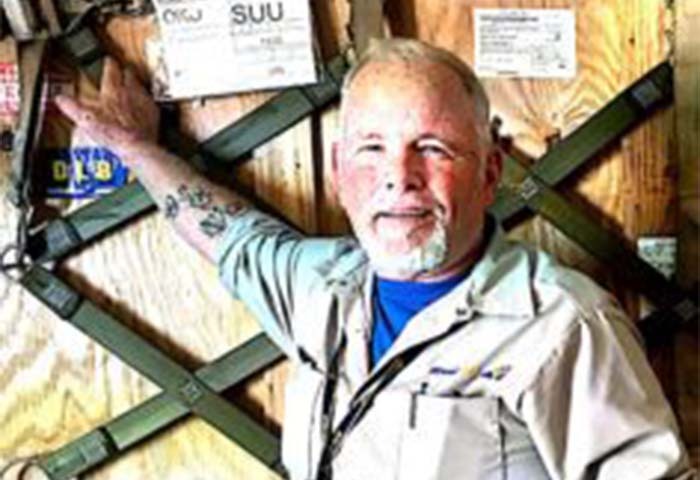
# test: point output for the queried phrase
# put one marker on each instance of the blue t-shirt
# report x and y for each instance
(395, 302)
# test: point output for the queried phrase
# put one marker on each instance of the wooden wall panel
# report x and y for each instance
(687, 141)
(152, 281)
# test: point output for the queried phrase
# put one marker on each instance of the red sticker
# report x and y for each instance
(9, 89)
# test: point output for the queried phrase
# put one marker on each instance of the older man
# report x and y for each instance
(430, 347)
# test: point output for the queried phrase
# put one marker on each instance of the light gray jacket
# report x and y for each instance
(547, 378)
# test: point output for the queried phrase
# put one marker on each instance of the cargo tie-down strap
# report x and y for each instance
(190, 392)
(64, 235)
(31, 29)
(61, 238)
(78, 39)
(193, 392)
(531, 188)
(226, 148)
(186, 390)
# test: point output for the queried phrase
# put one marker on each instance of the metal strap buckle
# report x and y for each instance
(190, 392)
(528, 189)
(686, 310)
(13, 263)
(20, 467)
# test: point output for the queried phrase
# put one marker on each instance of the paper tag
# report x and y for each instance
(525, 43)
(659, 252)
(83, 172)
(214, 47)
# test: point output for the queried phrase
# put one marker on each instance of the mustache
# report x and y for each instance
(411, 211)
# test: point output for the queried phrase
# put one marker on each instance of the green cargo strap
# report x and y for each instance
(366, 22)
(273, 117)
(154, 415)
(626, 110)
(83, 47)
(181, 385)
(79, 41)
(62, 236)
(537, 195)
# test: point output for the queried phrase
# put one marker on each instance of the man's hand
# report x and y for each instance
(125, 120)
(123, 117)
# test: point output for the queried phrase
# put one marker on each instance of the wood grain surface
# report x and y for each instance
(687, 142)
(55, 384)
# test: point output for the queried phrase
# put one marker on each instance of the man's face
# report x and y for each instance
(411, 170)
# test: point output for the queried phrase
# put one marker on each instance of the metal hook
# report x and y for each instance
(27, 462)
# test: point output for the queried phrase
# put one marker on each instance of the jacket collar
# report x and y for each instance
(500, 283)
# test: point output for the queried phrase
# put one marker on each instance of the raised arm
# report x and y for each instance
(125, 120)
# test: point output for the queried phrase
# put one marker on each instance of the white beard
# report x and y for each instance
(421, 259)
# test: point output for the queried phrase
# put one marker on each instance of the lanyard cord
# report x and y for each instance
(363, 398)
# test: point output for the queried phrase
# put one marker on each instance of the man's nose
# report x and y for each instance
(404, 171)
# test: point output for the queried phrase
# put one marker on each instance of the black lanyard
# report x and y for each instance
(363, 398)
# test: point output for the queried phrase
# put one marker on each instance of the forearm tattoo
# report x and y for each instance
(171, 207)
(218, 216)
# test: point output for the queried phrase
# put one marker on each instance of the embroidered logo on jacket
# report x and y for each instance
(471, 371)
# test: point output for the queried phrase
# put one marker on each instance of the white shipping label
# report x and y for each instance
(220, 46)
(659, 252)
(525, 43)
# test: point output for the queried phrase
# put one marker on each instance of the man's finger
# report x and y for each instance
(112, 79)
(132, 82)
(70, 107)
(81, 115)
(130, 78)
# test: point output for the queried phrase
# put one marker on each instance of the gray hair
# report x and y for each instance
(410, 50)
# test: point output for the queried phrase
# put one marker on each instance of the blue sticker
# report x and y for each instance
(84, 172)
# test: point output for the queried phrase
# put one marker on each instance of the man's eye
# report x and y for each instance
(434, 152)
(370, 147)
(369, 152)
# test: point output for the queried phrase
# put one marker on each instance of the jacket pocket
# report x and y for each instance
(451, 438)
(301, 436)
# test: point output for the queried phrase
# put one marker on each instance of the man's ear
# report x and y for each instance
(492, 172)
(335, 165)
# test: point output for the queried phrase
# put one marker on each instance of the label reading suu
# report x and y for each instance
(83, 172)
(213, 47)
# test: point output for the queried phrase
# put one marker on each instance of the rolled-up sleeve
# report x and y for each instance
(596, 411)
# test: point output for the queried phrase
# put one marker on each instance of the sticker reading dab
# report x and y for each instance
(83, 172)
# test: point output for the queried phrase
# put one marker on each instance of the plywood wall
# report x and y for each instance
(55, 384)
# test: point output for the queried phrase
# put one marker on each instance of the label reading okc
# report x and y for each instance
(212, 47)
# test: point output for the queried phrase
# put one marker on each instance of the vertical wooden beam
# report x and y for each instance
(687, 91)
